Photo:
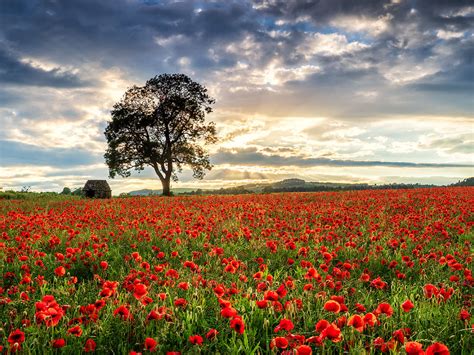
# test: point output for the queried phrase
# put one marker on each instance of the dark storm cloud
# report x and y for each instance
(445, 13)
(123, 33)
(250, 156)
(15, 153)
(411, 30)
(14, 71)
(432, 12)
(457, 79)
(320, 10)
(78, 31)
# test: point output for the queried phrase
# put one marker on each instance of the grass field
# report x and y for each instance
(369, 271)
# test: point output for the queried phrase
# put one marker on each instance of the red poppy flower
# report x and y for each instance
(279, 342)
(183, 285)
(370, 319)
(304, 350)
(399, 335)
(16, 337)
(414, 348)
(332, 332)
(89, 346)
(123, 312)
(180, 302)
(228, 312)
(237, 324)
(145, 300)
(407, 305)
(196, 339)
(341, 321)
(464, 315)
(378, 283)
(357, 322)
(384, 308)
(59, 343)
(153, 315)
(379, 343)
(321, 325)
(150, 344)
(437, 349)
(212, 334)
(139, 291)
(76, 331)
(430, 290)
(271, 296)
(285, 324)
(60, 271)
(332, 306)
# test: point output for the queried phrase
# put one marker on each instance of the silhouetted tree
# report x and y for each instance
(162, 125)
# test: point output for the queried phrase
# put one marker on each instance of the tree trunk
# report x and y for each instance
(166, 186)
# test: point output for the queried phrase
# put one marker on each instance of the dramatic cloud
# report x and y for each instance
(15, 153)
(378, 87)
(28, 72)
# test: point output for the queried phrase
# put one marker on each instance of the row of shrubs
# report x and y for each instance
(25, 194)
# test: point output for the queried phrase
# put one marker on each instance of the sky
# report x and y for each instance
(376, 91)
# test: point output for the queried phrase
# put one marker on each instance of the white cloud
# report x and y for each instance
(371, 26)
(465, 11)
(327, 44)
(404, 73)
(447, 35)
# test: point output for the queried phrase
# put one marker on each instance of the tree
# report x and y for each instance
(78, 192)
(66, 191)
(162, 125)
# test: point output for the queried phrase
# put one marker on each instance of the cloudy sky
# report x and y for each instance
(327, 90)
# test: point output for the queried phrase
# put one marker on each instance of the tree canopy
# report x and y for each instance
(161, 125)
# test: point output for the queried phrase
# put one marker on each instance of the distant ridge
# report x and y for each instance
(293, 185)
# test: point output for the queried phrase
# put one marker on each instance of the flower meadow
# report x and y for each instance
(387, 271)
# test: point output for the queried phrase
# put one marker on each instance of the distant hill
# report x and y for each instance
(299, 185)
(291, 185)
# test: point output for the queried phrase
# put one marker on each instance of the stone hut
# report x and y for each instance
(97, 189)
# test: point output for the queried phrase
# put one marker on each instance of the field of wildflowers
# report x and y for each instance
(299, 273)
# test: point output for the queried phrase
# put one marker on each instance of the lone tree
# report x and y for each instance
(161, 125)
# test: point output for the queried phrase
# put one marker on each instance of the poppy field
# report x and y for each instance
(387, 271)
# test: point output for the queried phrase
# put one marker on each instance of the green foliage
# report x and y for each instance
(66, 191)
(78, 192)
(24, 195)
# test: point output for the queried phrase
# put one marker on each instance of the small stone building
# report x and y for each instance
(97, 189)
